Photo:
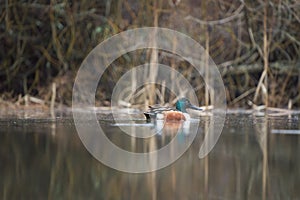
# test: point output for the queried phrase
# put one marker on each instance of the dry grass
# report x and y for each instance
(255, 44)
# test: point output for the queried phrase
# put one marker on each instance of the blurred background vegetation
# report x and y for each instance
(255, 44)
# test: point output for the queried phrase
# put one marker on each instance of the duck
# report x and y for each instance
(169, 114)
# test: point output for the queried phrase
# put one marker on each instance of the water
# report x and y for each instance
(255, 158)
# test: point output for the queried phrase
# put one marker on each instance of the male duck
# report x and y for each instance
(170, 114)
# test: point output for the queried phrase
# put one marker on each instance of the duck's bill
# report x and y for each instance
(195, 107)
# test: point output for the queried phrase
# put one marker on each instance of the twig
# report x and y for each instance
(259, 85)
(36, 100)
(53, 97)
(254, 43)
(235, 15)
(266, 51)
(242, 96)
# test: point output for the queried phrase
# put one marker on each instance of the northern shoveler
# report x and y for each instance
(171, 114)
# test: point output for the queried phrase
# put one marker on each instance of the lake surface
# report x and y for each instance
(256, 157)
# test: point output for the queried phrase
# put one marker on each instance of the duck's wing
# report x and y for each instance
(154, 110)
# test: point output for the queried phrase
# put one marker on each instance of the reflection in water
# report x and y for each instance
(262, 139)
(41, 159)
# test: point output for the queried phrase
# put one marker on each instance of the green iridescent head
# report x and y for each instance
(183, 103)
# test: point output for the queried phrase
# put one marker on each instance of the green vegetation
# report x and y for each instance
(256, 45)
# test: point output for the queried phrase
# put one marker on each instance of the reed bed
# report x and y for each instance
(255, 44)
